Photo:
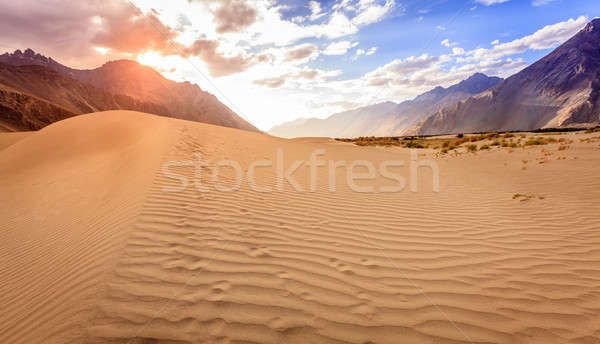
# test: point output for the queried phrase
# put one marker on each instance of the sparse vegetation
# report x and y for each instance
(408, 142)
(593, 130)
(447, 144)
(414, 144)
(525, 197)
(536, 141)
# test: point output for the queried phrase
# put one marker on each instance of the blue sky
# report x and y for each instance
(413, 28)
(273, 61)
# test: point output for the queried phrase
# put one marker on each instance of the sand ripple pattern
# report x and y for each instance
(323, 267)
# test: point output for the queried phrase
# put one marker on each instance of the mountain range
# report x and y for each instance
(388, 118)
(36, 91)
(560, 90)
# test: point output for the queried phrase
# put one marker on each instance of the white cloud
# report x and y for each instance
(403, 69)
(495, 42)
(360, 52)
(315, 10)
(545, 38)
(490, 2)
(458, 51)
(441, 28)
(446, 42)
(541, 2)
(372, 12)
(298, 19)
(339, 48)
(345, 5)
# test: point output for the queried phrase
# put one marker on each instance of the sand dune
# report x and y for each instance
(94, 250)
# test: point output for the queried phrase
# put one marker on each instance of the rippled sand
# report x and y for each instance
(93, 250)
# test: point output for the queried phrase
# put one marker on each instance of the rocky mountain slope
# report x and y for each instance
(560, 90)
(389, 118)
(20, 111)
(119, 84)
(35, 96)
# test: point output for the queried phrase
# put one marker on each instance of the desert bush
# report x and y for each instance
(460, 136)
(471, 148)
(592, 130)
(536, 141)
(484, 147)
(413, 144)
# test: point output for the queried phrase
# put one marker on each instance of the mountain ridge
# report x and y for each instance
(386, 118)
(147, 88)
(562, 89)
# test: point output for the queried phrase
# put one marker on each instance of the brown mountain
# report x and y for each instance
(119, 84)
(34, 96)
(388, 118)
(20, 111)
(560, 90)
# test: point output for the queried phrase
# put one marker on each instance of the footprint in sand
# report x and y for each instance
(283, 275)
(259, 252)
(181, 222)
(218, 290)
(364, 309)
(216, 327)
(277, 324)
(341, 267)
(368, 263)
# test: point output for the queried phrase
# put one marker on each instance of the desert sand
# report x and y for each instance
(95, 250)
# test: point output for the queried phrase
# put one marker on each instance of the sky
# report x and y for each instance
(275, 61)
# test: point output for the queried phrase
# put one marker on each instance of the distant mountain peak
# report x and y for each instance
(593, 26)
(387, 118)
(477, 75)
(28, 54)
(121, 84)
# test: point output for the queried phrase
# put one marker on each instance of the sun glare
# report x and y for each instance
(97, 20)
(101, 50)
(153, 59)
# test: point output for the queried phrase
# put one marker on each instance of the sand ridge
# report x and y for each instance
(469, 264)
